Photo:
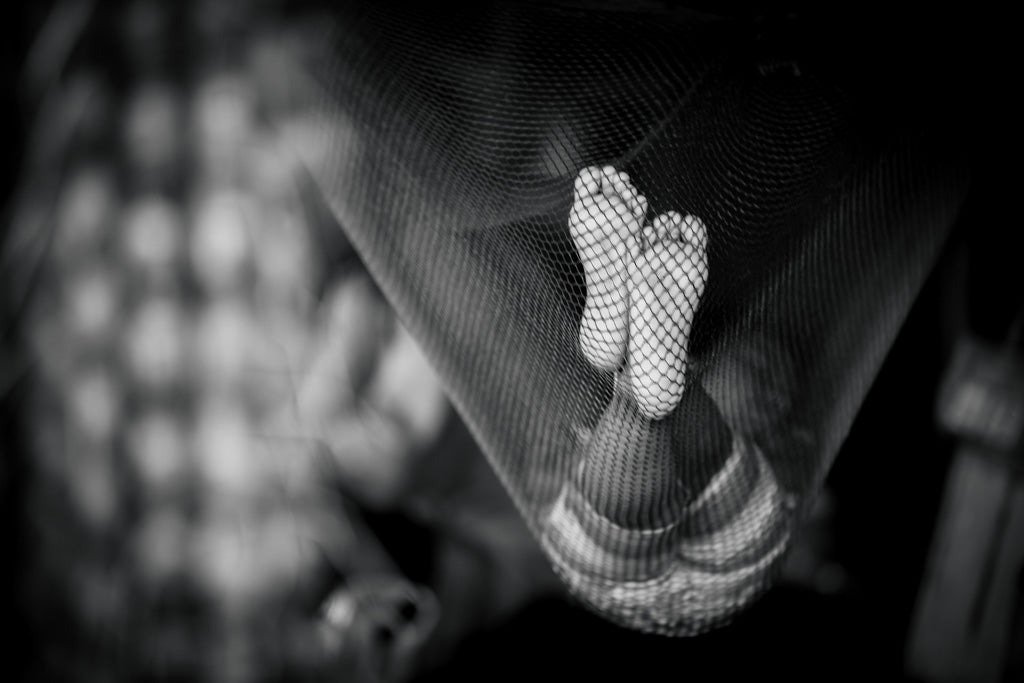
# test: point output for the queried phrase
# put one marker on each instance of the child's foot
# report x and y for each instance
(605, 222)
(666, 284)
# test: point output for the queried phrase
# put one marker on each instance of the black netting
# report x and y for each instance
(656, 262)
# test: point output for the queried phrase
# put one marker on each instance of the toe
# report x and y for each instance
(674, 229)
(650, 234)
(588, 183)
(636, 203)
(694, 232)
(622, 187)
(609, 178)
(666, 226)
(609, 175)
(640, 207)
(694, 268)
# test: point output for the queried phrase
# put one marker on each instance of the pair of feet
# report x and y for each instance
(644, 284)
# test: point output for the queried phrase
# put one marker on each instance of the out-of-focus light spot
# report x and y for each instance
(220, 247)
(155, 342)
(270, 168)
(340, 609)
(159, 545)
(152, 233)
(152, 128)
(93, 485)
(223, 118)
(84, 213)
(224, 108)
(224, 342)
(224, 554)
(224, 447)
(93, 299)
(157, 450)
(94, 404)
(283, 260)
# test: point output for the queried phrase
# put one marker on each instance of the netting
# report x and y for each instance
(656, 261)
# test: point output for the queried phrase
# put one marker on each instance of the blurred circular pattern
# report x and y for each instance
(152, 129)
(157, 451)
(93, 398)
(85, 209)
(211, 397)
(154, 343)
(152, 234)
(93, 299)
(221, 244)
(185, 513)
(225, 339)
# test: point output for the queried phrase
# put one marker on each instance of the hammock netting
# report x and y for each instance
(656, 259)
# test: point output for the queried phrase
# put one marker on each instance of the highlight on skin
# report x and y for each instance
(644, 284)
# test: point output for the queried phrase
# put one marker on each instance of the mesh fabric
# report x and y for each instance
(656, 265)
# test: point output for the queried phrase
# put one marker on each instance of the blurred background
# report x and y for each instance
(224, 459)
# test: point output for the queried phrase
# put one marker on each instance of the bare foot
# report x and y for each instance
(666, 283)
(605, 222)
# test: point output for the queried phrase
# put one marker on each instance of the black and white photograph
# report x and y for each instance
(371, 341)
